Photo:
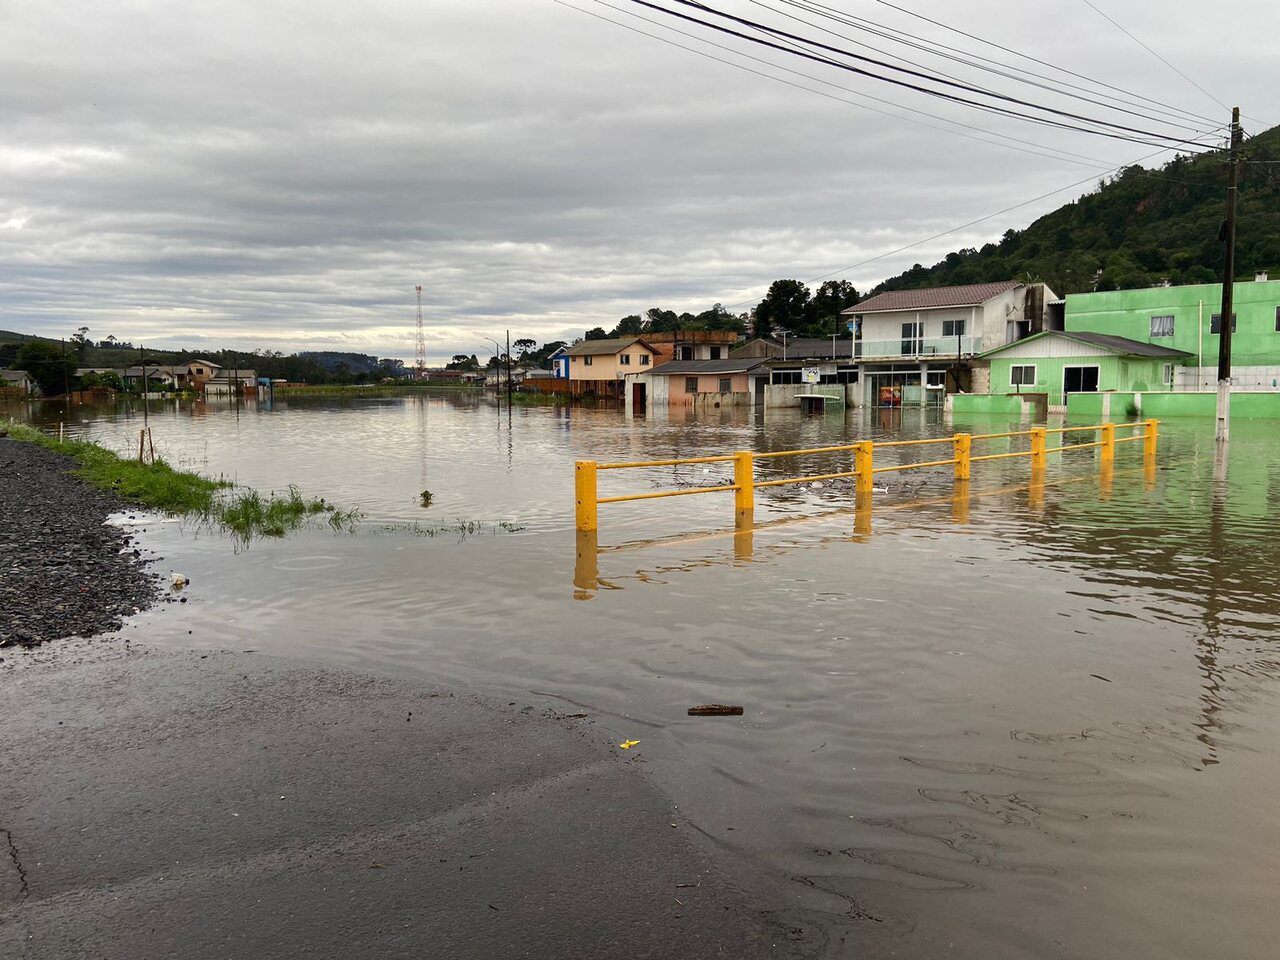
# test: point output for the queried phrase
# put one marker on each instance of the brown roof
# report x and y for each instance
(596, 348)
(926, 298)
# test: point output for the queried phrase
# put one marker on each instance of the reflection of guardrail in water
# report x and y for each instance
(864, 469)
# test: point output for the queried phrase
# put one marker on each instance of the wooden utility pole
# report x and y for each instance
(1228, 285)
(508, 370)
(142, 355)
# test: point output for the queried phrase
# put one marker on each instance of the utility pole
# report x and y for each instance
(1228, 285)
(508, 371)
(142, 355)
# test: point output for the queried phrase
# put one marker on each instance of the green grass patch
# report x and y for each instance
(157, 486)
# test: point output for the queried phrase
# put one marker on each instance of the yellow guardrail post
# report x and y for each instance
(584, 487)
(1149, 439)
(962, 443)
(862, 465)
(1108, 445)
(1038, 445)
(744, 497)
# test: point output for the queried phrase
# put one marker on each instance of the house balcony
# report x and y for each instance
(920, 349)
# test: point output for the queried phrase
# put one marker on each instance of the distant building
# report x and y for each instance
(18, 383)
(691, 344)
(560, 363)
(230, 383)
(195, 373)
(727, 382)
(599, 366)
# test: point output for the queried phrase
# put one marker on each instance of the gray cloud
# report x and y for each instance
(280, 174)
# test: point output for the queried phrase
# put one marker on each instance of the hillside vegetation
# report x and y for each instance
(1137, 228)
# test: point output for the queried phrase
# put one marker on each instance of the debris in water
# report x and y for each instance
(426, 498)
(1098, 676)
(179, 581)
(716, 710)
(628, 744)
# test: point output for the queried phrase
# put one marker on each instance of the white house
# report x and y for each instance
(916, 345)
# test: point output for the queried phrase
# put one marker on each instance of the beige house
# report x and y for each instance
(195, 373)
(610, 359)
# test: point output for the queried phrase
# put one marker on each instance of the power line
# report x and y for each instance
(951, 230)
(837, 17)
(1094, 8)
(1148, 138)
(1017, 53)
(1003, 142)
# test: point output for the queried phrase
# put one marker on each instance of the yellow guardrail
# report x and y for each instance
(864, 469)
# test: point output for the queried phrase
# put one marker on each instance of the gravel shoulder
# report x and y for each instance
(63, 571)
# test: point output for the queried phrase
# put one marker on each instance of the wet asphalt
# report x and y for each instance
(234, 805)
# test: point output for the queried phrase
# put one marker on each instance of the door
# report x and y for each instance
(637, 397)
(760, 385)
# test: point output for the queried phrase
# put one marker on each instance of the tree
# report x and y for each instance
(109, 379)
(81, 342)
(525, 346)
(631, 326)
(657, 320)
(785, 306)
(461, 361)
(48, 366)
(597, 333)
(830, 298)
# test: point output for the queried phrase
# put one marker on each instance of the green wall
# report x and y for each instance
(1245, 406)
(982, 403)
(1128, 313)
(1114, 373)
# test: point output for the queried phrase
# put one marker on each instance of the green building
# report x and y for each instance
(1058, 363)
(1186, 319)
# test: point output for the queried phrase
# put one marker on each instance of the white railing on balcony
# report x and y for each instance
(917, 348)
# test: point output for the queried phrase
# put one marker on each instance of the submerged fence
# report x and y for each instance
(864, 469)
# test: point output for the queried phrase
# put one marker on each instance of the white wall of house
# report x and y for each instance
(989, 321)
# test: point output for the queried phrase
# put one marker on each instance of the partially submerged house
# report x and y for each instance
(914, 346)
(1057, 363)
(599, 366)
(727, 382)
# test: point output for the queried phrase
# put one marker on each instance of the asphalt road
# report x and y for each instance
(180, 805)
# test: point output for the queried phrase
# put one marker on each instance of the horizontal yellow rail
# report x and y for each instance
(864, 469)
(665, 493)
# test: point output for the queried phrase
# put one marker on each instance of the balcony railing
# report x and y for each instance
(917, 348)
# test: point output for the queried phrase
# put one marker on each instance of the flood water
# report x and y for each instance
(1033, 723)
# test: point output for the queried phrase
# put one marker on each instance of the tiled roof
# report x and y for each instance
(596, 348)
(928, 298)
(729, 365)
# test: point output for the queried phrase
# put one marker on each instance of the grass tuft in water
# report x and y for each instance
(157, 486)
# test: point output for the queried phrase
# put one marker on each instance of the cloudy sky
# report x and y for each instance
(279, 174)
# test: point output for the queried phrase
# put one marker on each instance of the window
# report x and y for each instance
(912, 338)
(1277, 319)
(685, 353)
(644, 359)
(1022, 375)
(953, 328)
(1166, 374)
(715, 353)
(937, 378)
(1215, 323)
(690, 384)
(1162, 326)
(726, 385)
(785, 377)
(625, 360)
(586, 361)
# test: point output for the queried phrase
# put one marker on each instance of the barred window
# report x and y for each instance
(1162, 326)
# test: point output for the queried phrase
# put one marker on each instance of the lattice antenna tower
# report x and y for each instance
(421, 364)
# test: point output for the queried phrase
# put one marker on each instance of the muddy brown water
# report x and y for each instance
(1035, 723)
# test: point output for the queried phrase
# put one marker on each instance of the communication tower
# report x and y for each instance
(421, 365)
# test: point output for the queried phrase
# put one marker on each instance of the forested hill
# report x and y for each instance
(1138, 228)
